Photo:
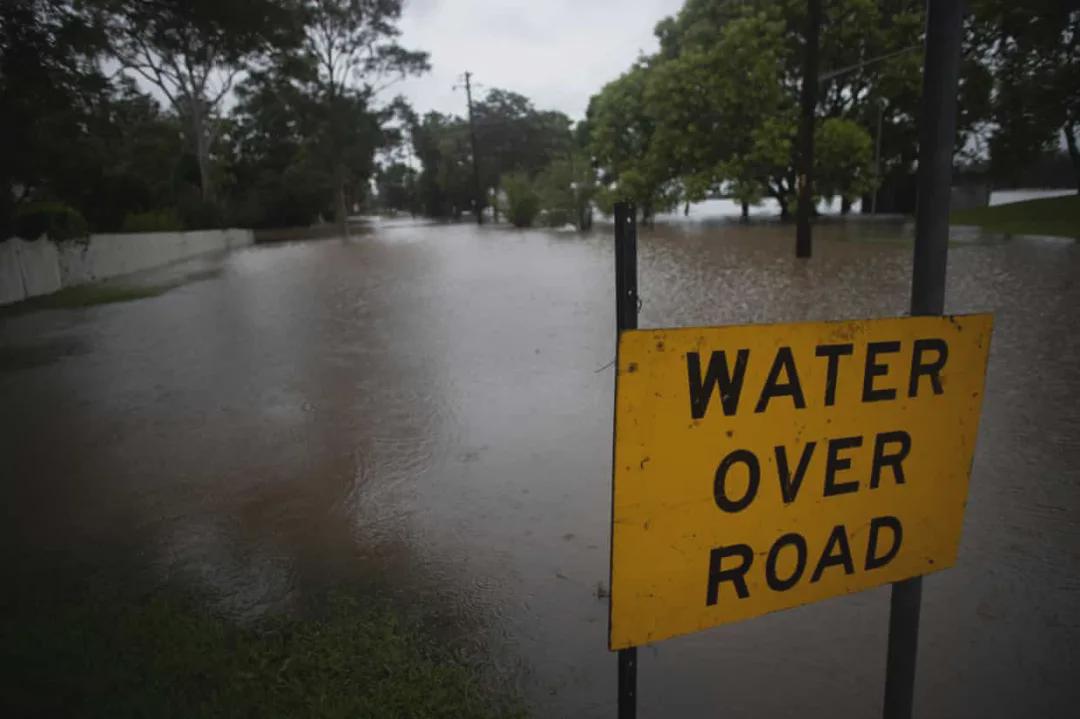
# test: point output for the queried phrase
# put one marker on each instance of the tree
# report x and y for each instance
(277, 179)
(843, 156)
(353, 43)
(193, 50)
(567, 187)
(1033, 51)
(621, 135)
(708, 103)
(515, 137)
(68, 132)
(441, 144)
(48, 86)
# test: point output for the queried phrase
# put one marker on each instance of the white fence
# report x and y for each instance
(29, 269)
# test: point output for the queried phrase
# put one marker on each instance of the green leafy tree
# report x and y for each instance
(1033, 50)
(621, 130)
(441, 144)
(354, 46)
(708, 103)
(718, 97)
(513, 136)
(843, 159)
(69, 133)
(192, 51)
(277, 179)
(49, 84)
(567, 188)
(522, 199)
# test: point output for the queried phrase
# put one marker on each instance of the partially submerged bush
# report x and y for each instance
(55, 220)
(522, 200)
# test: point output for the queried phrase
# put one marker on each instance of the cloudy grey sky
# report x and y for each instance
(556, 52)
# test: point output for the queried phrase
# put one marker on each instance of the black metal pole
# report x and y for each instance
(937, 137)
(626, 317)
(625, 266)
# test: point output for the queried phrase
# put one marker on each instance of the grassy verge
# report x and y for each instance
(167, 658)
(1058, 216)
(102, 293)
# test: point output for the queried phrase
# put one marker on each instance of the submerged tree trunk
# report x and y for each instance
(745, 215)
(781, 199)
(845, 205)
(868, 204)
(1074, 150)
(686, 209)
(647, 214)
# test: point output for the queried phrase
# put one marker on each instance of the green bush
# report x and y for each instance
(152, 221)
(522, 200)
(54, 219)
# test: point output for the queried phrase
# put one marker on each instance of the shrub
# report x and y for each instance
(152, 221)
(522, 200)
(54, 219)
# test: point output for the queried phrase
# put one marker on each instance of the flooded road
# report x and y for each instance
(431, 406)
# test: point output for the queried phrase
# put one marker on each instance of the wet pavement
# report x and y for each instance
(431, 405)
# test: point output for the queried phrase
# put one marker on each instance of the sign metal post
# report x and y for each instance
(860, 410)
(937, 134)
(626, 316)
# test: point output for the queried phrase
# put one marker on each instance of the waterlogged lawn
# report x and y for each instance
(1058, 216)
(166, 658)
(104, 292)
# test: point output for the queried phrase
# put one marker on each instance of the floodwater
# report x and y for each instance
(431, 405)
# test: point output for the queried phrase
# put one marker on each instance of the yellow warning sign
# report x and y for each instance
(760, 467)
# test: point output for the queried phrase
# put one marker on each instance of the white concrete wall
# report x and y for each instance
(39, 264)
(28, 269)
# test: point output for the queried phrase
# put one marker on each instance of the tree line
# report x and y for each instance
(247, 112)
(165, 114)
(715, 109)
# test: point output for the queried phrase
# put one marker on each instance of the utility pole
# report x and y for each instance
(478, 206)
(808, 103)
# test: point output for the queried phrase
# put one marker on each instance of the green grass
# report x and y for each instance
(166, 658)
(95, 293)
(1058, 216)
(103, 293)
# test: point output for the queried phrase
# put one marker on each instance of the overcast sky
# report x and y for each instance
(555, 52)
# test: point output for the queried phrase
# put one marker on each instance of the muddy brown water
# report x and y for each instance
(432, 404)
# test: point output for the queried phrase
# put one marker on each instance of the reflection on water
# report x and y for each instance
(431, 405)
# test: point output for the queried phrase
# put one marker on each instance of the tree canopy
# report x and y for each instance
(195, 113)
(713, 111)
